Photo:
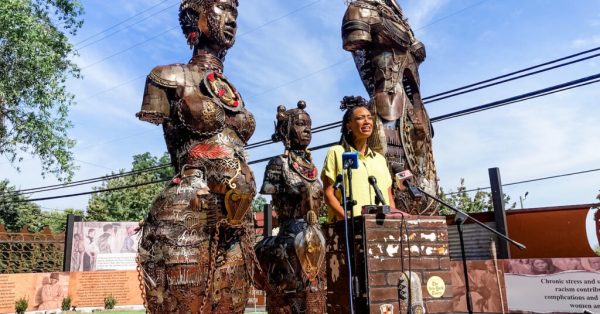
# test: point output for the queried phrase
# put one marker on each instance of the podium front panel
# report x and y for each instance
(385, 248)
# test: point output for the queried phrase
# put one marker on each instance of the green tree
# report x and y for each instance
(34, 65)
(481, 201)
(258, 204)
(130, 204)
(16, 211)
(57, 220)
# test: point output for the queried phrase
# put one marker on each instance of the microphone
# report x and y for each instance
(350, 160)
(378, 196)
(402, 178)
(338, 182)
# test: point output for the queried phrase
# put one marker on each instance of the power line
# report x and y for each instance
(543, 92)
(126, 27)
(279, 18)
(122, 22)
(538, 93)
(266, 159)
(511, 100)
(466, 89)
(82, 182)
(127, 49)
(151, 38)
(427, 100)
(528, 181)
(85, 193)
(451, 15)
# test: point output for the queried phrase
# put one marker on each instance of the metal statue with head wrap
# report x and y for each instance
(196, 250)
(387, 56)
(294, 272)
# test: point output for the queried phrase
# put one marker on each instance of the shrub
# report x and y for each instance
(66, 304)
(109, 302)
(21, 305)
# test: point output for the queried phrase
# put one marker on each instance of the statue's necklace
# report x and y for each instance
(303, 167)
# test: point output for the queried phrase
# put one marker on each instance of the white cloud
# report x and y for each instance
(586, 42)
(421, 12)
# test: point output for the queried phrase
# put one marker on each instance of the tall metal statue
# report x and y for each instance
(387, 56)
(292, 261)
(196, 250)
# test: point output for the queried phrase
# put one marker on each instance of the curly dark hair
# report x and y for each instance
(350, 104)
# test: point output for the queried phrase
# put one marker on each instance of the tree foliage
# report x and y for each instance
(16, 212)
(258, 204)
(57, 220)
(130, 204)
(34, 65)
(481, 201)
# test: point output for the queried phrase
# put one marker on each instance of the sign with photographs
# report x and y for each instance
(104, 246)
(543, 285)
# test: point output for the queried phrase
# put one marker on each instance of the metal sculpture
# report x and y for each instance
(196, 250)
(294, 272)
(387, 56)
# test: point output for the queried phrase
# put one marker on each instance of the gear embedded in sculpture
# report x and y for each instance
(222, 91)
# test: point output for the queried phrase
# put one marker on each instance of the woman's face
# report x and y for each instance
(540, 265)
(300, 134)
(219, 22)
(361, 124)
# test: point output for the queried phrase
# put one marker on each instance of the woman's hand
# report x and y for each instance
(331, 200)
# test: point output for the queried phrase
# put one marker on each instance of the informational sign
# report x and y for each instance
(90, 288)
(104, 246)
(43, 291)
(46, 291)
(565, 285)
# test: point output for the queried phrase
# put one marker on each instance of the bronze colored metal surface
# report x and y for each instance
(293, 260)
(387, 56)
(196, 251)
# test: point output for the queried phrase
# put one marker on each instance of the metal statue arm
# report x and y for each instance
(273, 177)
(155, 105)
(356, 29)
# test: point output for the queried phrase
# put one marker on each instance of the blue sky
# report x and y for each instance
(290, 50)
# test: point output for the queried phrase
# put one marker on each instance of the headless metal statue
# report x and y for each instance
(387, 56)
(196, 250)
(293, 261)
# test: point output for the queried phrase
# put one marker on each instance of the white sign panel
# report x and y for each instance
(565, 292)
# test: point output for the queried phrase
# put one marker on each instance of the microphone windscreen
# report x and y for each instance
(372, 180)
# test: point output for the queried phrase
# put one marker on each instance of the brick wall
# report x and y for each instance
(382, 256)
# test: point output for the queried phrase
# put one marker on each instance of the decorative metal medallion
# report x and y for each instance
(222, 91)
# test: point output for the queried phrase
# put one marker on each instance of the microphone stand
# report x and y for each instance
(460, 218)
(349, 232)
(351, 202)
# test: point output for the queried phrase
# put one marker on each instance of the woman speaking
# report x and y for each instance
(357, 127)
